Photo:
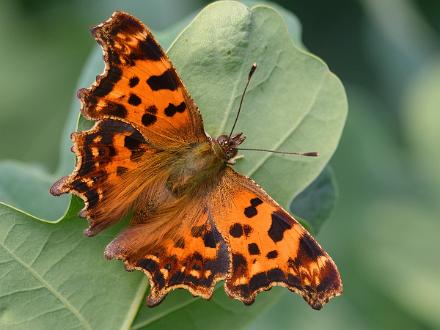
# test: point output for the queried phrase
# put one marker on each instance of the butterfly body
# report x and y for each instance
(198, 164)
(195, 220)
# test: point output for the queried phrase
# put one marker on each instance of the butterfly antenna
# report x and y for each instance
(308, 154)
(251, 72)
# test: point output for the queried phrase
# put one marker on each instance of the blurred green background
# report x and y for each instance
(385, 232)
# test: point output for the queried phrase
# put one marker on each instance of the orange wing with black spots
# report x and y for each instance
(195, 258)
(268, 247)
(105, 154)
(140, 86)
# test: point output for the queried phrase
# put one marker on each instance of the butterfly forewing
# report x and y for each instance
(140, 85)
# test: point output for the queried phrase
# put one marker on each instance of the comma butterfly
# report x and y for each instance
(195, 220)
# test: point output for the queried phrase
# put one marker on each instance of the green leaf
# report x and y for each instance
(52, 276)
(292, 22)
(303, 107)
(316, 203)
(21, 187)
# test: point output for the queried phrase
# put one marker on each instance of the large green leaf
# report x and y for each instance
(52, 276)
(306, 111)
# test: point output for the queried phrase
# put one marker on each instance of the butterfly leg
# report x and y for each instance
(234, 159)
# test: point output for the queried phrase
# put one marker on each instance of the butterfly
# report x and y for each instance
(194, 219)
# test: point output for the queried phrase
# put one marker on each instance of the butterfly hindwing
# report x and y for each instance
(195, 258)
(140, 85)
(268, 246)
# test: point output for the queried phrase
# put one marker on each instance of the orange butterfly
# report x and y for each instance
(195, 220)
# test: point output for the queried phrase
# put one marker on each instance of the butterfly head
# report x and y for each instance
(229, 144)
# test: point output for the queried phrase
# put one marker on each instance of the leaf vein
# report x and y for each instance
(49, 287)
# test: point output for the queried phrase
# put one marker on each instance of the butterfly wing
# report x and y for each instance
(268, 247)
(195, 258)
(105, 154)
(140, 86)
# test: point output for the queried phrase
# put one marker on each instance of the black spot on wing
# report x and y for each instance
(134, 143)
(167, 80)
(134, 100)
(131, 143)
(87, 165)
(258, 281)
(275, 275)
(261, 280)
(177, 278)
(149, 117)
(256, 201)
(148, 49)
(250, 211)
(209, 239)
(272, 254)
(133, 81)
(236, 230)
(153, 267)
(253, 249)
(171, 109)
(308, 248)
(247, 230)
(107, 83)
(92, 197)
(294, 281)
(239, 265)
(80, 186)
(114, 109)
(280, 223)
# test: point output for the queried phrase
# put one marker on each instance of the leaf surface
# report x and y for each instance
(317, 201)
